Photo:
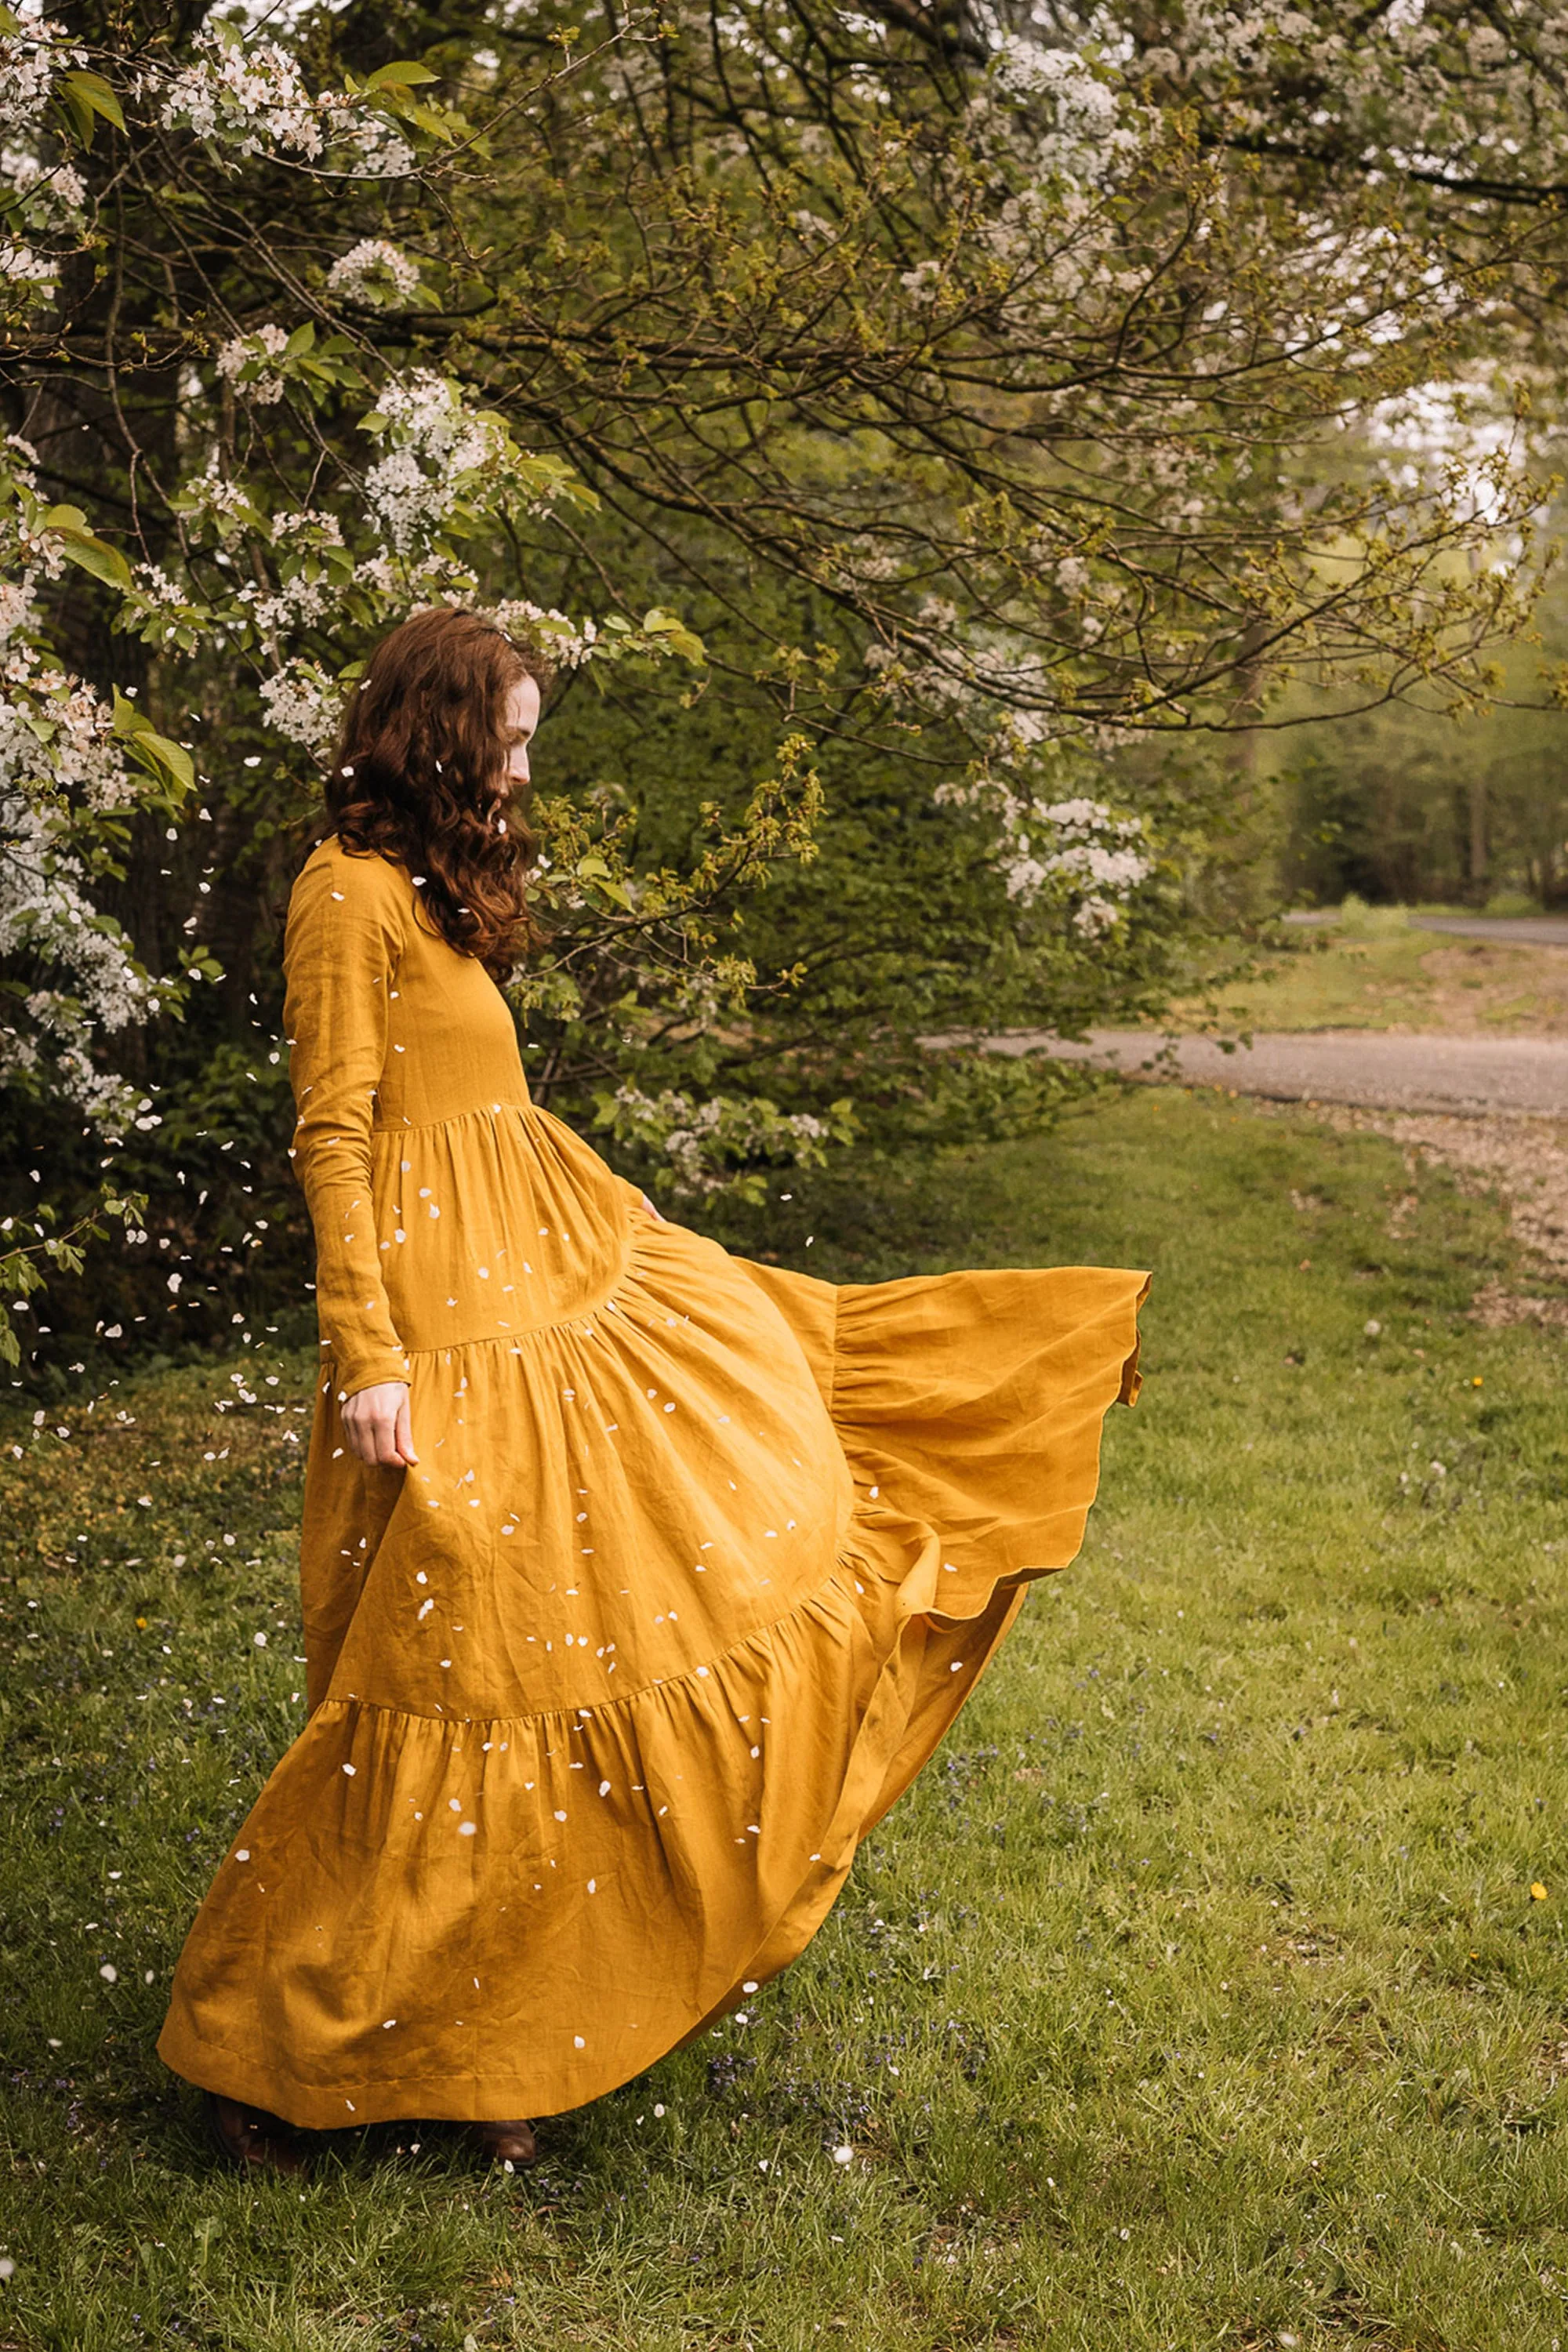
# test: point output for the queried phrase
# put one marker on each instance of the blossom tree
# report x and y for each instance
(288, 491)
(946, 407)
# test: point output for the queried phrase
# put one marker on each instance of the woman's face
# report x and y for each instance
(518, 723)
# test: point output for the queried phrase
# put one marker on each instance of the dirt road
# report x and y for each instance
(1510, 931)
(1523, 1077)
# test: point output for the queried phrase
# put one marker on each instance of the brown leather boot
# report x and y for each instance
(508, 2143)
(245, 2135)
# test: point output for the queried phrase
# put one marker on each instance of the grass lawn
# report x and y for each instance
(1210, 1987)
(1384, 975)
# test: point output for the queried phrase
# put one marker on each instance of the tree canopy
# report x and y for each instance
(928, 439)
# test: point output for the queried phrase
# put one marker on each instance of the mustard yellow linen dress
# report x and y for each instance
(698, 1563)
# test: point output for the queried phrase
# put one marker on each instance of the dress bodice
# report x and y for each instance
(448, 1207)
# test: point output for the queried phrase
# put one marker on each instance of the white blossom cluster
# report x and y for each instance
(212, 499)
(1428, 430)
(1088, 134)
(309, 588)
(56, 735)
(44, 202)
(244, 362)
(157, 592)
(23, 265)
(29, 60)
(303, 704)
(702, 1141)
(373, 271)
(1077, 851)
(58, 752)
(54, 730)
(305, 596)
(252, 99)
(922, 284)
(569, 642)
(437, 448)
(46, 914)
(1411, 84)
(1207, 40)
(48, 195)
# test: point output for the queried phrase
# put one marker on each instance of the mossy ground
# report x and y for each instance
(1196, 1995)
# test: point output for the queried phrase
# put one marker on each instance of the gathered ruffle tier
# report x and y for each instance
(689, 1579)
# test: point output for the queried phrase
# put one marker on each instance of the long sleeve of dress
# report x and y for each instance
(345, 932)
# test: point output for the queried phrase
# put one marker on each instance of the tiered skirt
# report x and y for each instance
(605, 1690)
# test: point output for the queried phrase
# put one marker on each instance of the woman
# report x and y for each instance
(638, 1580)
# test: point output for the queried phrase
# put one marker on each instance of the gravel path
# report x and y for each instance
(1513, 931)
(1517, 930)
(1521, 1077)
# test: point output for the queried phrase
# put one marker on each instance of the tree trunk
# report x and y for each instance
(1478, 792)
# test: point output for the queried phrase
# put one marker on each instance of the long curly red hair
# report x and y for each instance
(413, 777)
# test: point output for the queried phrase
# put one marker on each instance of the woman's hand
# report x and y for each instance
(376, 1426)
(648, 1205)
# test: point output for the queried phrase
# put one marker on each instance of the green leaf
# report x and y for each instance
(79, 547)
(77, 115)
(402, 73)
(153, 752)
(94, 93)
(81, 98)
(673, 629)
(127, 718)
(422, 117)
